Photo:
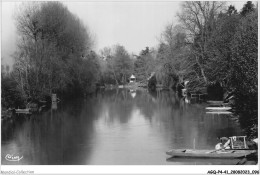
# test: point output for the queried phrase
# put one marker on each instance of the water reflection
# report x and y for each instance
(114, 127)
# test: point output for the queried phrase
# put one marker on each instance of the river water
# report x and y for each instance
(115, 127)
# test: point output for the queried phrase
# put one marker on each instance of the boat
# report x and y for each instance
(120, 86)
(215, 102)
(27, 110)
(42, 101)
(190, 153)
(218, 103)
(203, 161)
(218, 112)
(219, 108)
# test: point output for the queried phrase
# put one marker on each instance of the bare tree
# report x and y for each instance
(198, 18)
(108, 56)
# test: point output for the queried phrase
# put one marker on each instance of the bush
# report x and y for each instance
(11, 95)
(152, 83)
(244, 78)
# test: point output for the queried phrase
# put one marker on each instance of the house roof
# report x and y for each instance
(132, 76)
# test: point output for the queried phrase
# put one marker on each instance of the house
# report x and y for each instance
(132, 79)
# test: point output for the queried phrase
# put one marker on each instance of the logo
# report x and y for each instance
(11, 157)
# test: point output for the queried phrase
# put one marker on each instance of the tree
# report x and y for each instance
(247, 8)
(119, 65)
(53, 43)
(219, 48)
(232, 10)
(144, 64)
(173, 57)
(244, 77)
(198, 19)
(11, 95)
(123, 64)
(108, 68)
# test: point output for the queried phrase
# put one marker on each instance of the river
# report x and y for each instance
(115, 127)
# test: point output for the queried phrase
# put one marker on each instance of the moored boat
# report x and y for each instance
(210, 153)
(27, 110)
(219, 108)
(203, 161)
(218, 103)
(215, 102)
(218, 112)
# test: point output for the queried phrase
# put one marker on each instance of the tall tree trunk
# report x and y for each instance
(21, 80)
(201, 70)
(115, 77)
(26, 79)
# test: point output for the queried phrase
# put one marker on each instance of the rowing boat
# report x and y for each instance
(218, 112)
(203, 161)
(22, 110)
(215, 102)
(218, 108)
(209, 153)
(218, 103)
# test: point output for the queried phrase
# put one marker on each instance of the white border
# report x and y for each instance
(125, 169)
(129, 169)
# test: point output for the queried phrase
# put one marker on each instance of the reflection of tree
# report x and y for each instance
(69, 134)
(60, 138)
(7, 130)
(184, 126)
(119, 105)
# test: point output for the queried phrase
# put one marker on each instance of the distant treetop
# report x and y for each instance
(248, 7)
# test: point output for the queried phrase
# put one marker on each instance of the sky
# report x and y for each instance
(135, 25)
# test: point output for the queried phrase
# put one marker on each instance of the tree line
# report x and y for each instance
(211, 42)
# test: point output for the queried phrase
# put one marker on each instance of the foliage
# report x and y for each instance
(144, 64)
(211, 44)
(199, 20)
(219, 48)
(118, 65)
(152, 83)
(244, 69)
(247, 8)
(11, 95)
(53, 54)
(122, 63)
(173, 57)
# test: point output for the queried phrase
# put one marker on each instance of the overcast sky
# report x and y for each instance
(134, 25)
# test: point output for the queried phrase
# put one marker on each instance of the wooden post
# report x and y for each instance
(54, 98)
(231, 142)
(54, 105)
(245, 142)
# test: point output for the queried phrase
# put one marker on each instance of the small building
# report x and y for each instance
(132, 79)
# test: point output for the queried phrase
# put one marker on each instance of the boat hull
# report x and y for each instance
(219, 112)
(22, 110)
(209, 153)
(218, 108)
(215, 102)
